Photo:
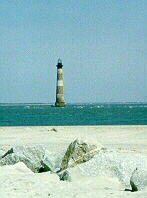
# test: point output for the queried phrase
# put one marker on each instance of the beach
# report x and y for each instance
(19, 181)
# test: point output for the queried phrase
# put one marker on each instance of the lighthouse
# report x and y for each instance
(60, 86)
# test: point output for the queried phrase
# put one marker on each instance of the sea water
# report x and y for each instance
(73, 114)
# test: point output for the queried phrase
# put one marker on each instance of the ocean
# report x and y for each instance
(73, 114)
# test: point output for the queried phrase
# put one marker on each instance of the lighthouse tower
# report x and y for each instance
(60, 86)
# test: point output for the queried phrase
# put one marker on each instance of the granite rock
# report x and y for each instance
(112, 164)
(79, 151)
(31, 156)
(138, 180)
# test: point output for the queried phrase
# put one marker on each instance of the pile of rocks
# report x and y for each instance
(84, 157)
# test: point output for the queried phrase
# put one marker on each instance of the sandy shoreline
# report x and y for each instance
(117, 137)
(56, 138)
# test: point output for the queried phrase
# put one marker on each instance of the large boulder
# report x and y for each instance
(31, 156)
(138, 180)
(79, 151)
(37, 158)
(110, 163)
(52, 161)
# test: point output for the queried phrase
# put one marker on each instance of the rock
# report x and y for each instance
(53, 129)
(98, 182)
(64, 176)
(112, 164)
(52, 161)
(37, 158)
(1, 154)
(79, 151)
(8, 152)
(31, 156)
(138, 180)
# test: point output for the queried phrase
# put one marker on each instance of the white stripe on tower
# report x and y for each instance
(60, 83)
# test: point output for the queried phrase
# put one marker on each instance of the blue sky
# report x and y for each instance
(102, 44)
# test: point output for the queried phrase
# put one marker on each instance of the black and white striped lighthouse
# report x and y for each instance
(60, 86)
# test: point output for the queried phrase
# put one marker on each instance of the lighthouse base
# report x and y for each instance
(60, 104)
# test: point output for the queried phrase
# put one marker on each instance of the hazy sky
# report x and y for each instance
(102, 44)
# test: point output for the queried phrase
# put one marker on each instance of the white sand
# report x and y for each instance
(18, 181)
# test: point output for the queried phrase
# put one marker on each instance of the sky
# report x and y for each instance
(102, 44)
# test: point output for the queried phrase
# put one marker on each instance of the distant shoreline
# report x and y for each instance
(88, 103)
